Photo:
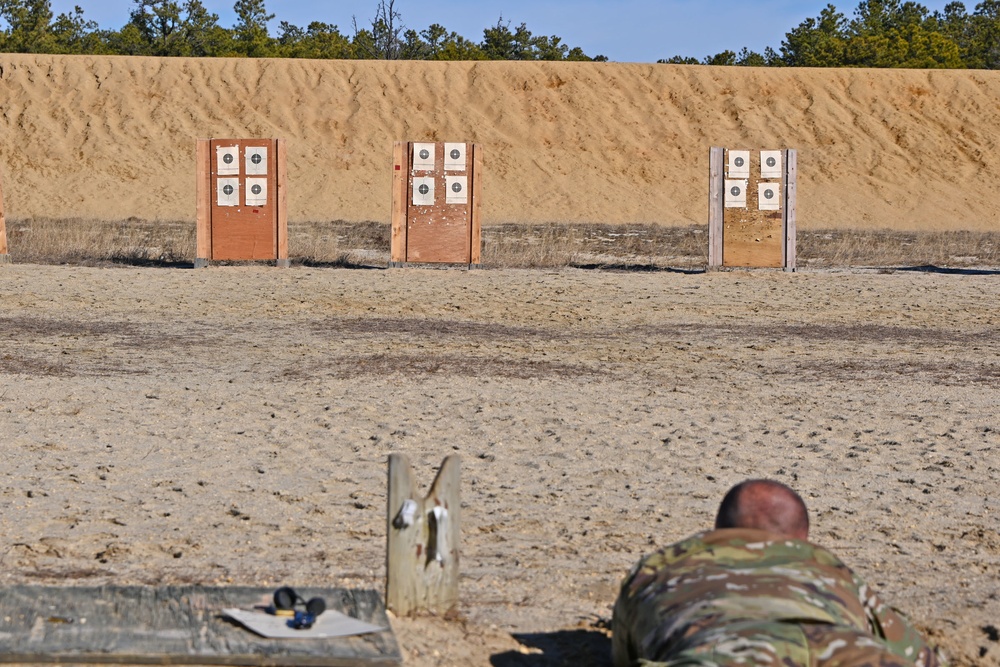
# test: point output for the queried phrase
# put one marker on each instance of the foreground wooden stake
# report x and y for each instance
(4, 257)
(422, 540)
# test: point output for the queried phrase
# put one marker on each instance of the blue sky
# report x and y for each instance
(624, 31)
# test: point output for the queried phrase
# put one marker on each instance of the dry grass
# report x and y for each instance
(899, 249)
(93, 242)
(622, 247)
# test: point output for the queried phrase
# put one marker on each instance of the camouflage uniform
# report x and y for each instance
(745, 597)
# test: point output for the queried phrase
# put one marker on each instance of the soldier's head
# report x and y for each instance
(765, 505)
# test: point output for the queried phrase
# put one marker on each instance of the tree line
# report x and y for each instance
(882, 33)
(187, 28)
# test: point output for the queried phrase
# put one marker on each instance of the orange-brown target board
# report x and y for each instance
(436, 203)
(752, 206)
(4, 256)
(242, 203)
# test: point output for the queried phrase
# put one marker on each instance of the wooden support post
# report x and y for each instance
(281, 151)
(203, 195)
(477, 206)
(422, 551)
(790, 207)
(4, 253)
(716, 202)
(400, 176)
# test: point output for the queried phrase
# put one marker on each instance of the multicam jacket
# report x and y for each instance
(695, 597)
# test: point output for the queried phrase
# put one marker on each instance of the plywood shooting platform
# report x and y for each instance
(176, 625)
(436, 203)
(752, 207)
(4, 254)
(242, 201)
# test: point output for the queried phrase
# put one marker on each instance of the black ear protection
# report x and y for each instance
(285, 602)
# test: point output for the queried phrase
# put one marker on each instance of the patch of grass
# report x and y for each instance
(594, 246)
(85, 242)
(637, 247)
(898, 249)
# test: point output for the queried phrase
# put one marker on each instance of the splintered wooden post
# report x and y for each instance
(422, 551)
(4, 256)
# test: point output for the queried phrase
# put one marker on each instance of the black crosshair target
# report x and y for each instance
(735, 191)
(738, 162)
(227, 158)
(456, 187)
(771, 162)
(256, 158)
(455, 153)
(228, 190)
(768, 193)
(423, 189)
(424, 154)
(256, 189)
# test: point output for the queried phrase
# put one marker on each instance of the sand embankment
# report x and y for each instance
(113, 137)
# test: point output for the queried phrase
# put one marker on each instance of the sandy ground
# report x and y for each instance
(232, 425)
(114, 137)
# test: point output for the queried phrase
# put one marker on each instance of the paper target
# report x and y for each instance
(454, 157)
(256, 160)
(739, 164)
(770, 164)
(424, 157)
(768, 196)
(458, 190)
(227, 191)
(423, 191)
(736, 194)
(227, 161)
(256, 192)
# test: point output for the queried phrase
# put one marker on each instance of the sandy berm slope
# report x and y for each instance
(113, 137)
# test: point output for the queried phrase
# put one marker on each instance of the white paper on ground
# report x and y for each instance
(328, 624)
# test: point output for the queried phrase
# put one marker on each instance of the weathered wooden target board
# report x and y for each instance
(242, 201)
(752, 207)
(436, 203)
(4, 253)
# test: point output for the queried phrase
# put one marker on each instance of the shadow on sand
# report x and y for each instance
(580, 648)
(930, 268)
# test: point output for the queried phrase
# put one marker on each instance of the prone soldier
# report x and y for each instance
(754, 591)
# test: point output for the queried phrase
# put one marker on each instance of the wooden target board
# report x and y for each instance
(436, 203)
(752, 205)
(4, 256)
(242, 203)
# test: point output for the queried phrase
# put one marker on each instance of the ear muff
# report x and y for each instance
(285, 598)
(316, 606)
(285, 602)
